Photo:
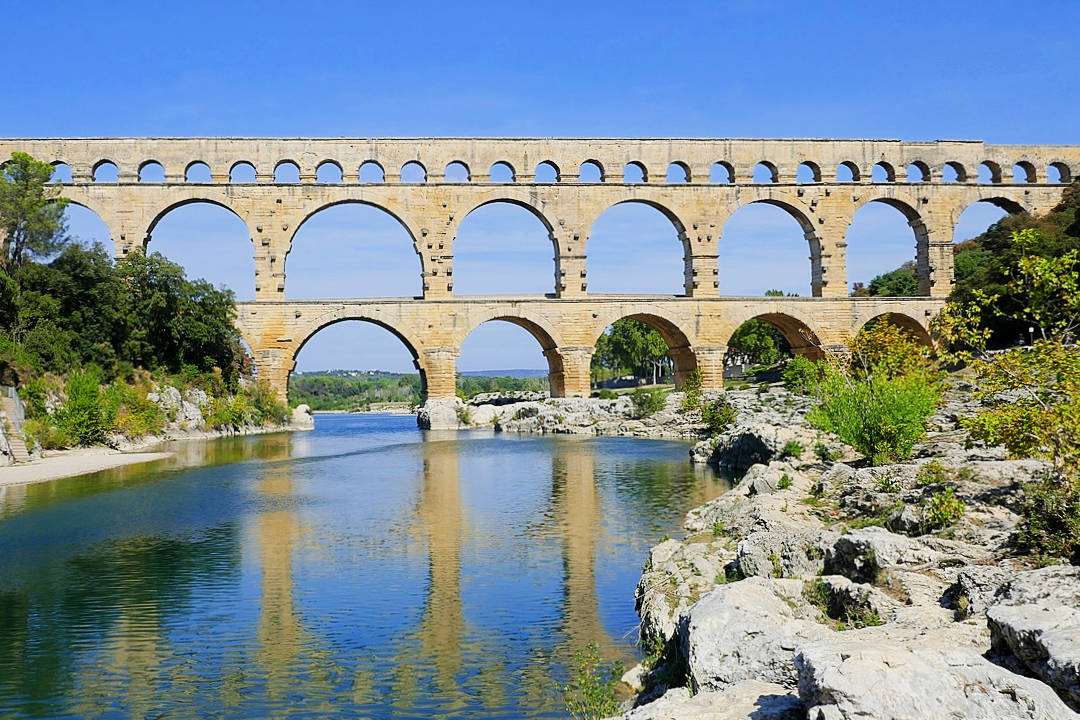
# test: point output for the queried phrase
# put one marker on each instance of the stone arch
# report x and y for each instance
(413, 172)
(635, 172)
(454, 168)
(808, 171)
(539, 329)
(150, 167)
(1064, 174)
(989, 172)
(952, 171)
(534, 211)
(797, 331)
(678, 172)
(1024, 172)
(286, 170)
(195, 168)
(903, 321)
(721, 172)
(105, 171)
(921, 236)
(666, 212)
(329, 171)
(809, 233)
(61, 173)
(502, 172)
(550, 174)
(766, 173)
(241, 170)
(848, 171)
(588, 168)
(110, 239)
(883, 172)
(371, 171)
(680, 343)
(345, 315)
(918, 172)
(188, 201)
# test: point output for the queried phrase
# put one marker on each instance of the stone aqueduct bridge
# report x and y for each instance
(567, 322)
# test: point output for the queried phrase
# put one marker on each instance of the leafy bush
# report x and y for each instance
(647, 401)
(823, 453)
(267, 408)
(81, 417)
(592, 693)
(931, 473)
(692, 391)
(128, 410)
(941, 510)
(718, 414)
(606, 394)
(791, 449)
(880, 417)
(785, 482)
(1050, 519)
(464, 415)
(44, 433)
(801, 375)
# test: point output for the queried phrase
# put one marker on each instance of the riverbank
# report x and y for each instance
(823, 588)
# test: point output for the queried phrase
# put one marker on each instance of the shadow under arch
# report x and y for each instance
(680, 349)
(800, 337)
(667, 213)
(545, 336)
(809, 234)
(323, 323)
(905, 322)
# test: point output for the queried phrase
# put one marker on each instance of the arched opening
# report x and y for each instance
(210, 242)
(61, 173)
(501, 172)
(590, 172)
(767, 341)
(721, 173)
(1058, 173)
(989, 173)
(630, 236)
(151, 171)
(765, 173)
(909, 325)
(763, 247)
(953, 172)
(287, 171)
(634, 172)
(413, 172)
(371, 172)
(508, 353)
(197, 172)
(86, 227)
(546, 172)
(352, 250)
(503, 248)
(847, 172)
(881, 250)
(677, 173)
(882, 172)
(1024, 172)
(242, 172)
(457, 172)
(641, 349)
(918, 172)
(808, 172)
(356, 364)
(970, 256)
(106, 172)
(329, 171)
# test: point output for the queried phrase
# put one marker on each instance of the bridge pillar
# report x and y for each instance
(439, 366)
(685, 359)
(710, 362)
(570, 371)
(271, 242)
(934, 259)
(274, 366)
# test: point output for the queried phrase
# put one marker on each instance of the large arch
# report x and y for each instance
(209, 240)
(504, 228)
(757, 228)
(630, 235)
(903, 321)
(86, 226)
(383, 263)
(679, 342)
(489, 338)
(878, 244)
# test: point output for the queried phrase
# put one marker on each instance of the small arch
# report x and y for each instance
(883, 172)
(721, 173)
(371, 172)
(242, 172)
(765, 173)
(808, 172)
(795, 338)
(105, 171)
(1058, 173)
(918, 172)
(61, 173)
(678, 173)
(906, 323)
(286, 171)
(591, 171)
(501, 172)
(847, 172)
(546, 172)
(953, 172)
(151, 171)
(328, 171)
(457, 172)
(680, 353)
(634, 172)
(413, 172)
(197, 172)
(989, 173)
(1024, 172)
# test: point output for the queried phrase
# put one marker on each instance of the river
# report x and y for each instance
(362, 570)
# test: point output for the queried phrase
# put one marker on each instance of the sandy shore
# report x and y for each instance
(69, 463)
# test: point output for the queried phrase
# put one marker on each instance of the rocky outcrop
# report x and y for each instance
(746, 700)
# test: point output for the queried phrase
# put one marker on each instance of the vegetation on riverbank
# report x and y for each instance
(352, 390)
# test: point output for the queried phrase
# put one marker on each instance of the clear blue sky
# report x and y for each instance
(998, 71)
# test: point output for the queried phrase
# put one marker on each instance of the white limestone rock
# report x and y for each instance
(746, 700)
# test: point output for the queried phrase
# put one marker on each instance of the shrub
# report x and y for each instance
(647, 401)
(606, 394)
(785, 482)
(464, 415)
(692, 391)
(941, 510)
(791, 449)
(592, 693)
(718, 414)
(931, 473)
(888, 483)
(880, 417)
(801, 375)
(267, 408)
(129, 411)
(81, 416)
(1050, 519)
(44, 433)
(823, 453)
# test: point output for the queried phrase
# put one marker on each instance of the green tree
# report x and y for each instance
(759, 341)
(631, 345)
(31, 213)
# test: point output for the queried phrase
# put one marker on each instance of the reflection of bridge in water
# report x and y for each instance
(698, 184)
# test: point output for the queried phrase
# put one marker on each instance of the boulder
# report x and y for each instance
(747, 444)
(747, 700)
(302, 418)
(747, 630)
(851, 678)
(784, 554)
(1036, 618)
(975, 588)
(863, 554)
(439, 414)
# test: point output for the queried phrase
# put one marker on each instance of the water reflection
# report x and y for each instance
(358, 571)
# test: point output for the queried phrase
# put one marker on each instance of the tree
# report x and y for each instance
(633, 346)
(31, 213)
(759, 341)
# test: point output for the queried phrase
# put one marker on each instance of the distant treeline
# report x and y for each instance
(347, 390)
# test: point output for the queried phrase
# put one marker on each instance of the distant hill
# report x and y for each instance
(515, 373)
